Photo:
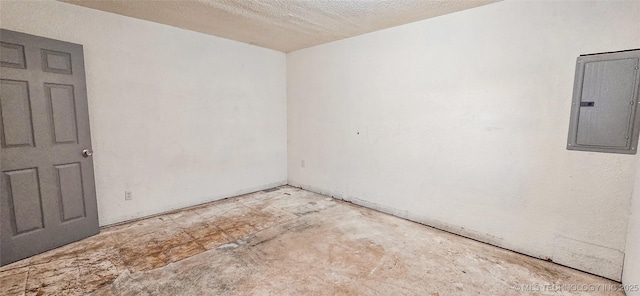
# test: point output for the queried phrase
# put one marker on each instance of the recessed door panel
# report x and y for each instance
(15, 109)
(56, 62)
(62, 112)
(25, 200)
(71, 192)
(12, 55)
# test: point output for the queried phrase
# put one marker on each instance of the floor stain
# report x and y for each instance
(284, 241)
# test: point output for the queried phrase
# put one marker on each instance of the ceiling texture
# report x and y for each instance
(283, 25)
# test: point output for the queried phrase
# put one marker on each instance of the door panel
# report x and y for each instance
(15, 110)
(56, 62)
(71, 192)
(24, 200)
(48, 189)
(62, 112)
(12, 55)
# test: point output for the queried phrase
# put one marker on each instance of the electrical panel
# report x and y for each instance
(604, 106)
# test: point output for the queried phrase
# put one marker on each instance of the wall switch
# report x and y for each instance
(302, 163)
(128, 195)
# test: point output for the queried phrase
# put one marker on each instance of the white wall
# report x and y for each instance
(177, 117)
(631, 275)
(461, 121)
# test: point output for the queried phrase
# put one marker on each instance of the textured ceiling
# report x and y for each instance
(284, 25)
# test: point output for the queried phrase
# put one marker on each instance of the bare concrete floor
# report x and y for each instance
(287, 242)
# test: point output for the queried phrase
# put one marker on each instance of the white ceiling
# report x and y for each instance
(283, 25)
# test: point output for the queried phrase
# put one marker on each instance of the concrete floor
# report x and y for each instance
(287, 242)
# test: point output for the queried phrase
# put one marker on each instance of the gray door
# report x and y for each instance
(47, 185)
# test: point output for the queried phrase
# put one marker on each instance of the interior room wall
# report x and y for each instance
(177, 117)
(631, 273)
(460, 122)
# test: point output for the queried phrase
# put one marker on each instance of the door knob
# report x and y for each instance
(87, 152)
